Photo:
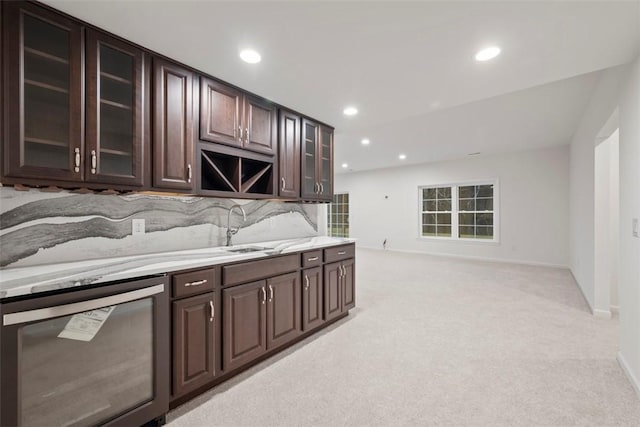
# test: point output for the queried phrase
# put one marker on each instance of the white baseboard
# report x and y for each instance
(627, 370)
(470, 257)
(615, 309)
(604, 314)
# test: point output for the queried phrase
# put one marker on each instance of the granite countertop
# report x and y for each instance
(31, 280)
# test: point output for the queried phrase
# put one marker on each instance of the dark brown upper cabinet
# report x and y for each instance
(42, 55)
(173, 150)
(229, 116)
(289, 154)
(317, 161)
(115, 135)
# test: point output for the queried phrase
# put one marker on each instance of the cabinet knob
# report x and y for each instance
(76, 169)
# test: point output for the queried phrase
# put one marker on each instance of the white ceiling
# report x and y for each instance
(407, 66)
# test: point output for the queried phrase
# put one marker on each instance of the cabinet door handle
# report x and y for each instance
(344, 271)
(317, 188)
(189, 173)
(321, 188)
(306, 280)
(213, 311)
(240, 133)
(76, 169)
(315, 258)
(342, 253)
(339, 272)
(270, 293)
(246, 135)
(196, 283)
(264, 295)
(283, 183)
(94, 161)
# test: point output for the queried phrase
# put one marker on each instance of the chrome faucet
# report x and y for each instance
(232, 231)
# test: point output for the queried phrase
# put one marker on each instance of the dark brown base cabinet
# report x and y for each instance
(245, 324)
(312, 298)
(259, 317)
(339, 291)
(195, 330)
(194, 350)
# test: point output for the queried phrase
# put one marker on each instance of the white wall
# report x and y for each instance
(582, 178)
(629, 271)
(534, 209)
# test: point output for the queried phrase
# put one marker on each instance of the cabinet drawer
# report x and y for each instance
(312, 258)
(254, 270)
(339, 253)
(196, 282)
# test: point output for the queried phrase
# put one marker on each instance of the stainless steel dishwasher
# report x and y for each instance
(86, 357)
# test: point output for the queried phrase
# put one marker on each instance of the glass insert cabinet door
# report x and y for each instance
(310, 138)
(43, 81)
(114, 110)
(325, 163)
(87, 362)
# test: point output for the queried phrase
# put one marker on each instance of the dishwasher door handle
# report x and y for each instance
(79, 307)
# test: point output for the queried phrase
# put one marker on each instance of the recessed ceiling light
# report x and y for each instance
(402, 156)
(350, 111)
(345, 165)
(250, 56)
(488, 53)
(365, 141)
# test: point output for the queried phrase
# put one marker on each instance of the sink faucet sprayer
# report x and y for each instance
(232, 231)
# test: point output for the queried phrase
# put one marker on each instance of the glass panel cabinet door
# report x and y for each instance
(114, 111)
(310, 134)
(43, 90)
(325, 163)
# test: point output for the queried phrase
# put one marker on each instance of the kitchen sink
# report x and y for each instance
(246, 249)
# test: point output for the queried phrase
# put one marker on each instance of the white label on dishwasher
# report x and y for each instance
(84, 326)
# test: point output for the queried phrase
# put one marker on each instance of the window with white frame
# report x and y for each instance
(338, 216)
(459, 211)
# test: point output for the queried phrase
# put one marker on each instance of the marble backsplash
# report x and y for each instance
(45, 228)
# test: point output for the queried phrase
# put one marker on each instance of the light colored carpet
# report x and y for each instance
(439, 341)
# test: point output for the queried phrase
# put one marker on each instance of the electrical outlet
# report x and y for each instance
(137, 226)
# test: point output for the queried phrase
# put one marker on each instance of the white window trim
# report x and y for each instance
(454, 208)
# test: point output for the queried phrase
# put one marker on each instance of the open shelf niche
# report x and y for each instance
(221, 172)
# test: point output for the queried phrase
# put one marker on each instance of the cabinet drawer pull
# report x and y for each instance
(94, 161)
(77, 160)
(270, 293)
(264, 295)
(189, 173)
(213, 311)
(315, 258)
(306, 280)
(283, 183)
(342, 253)
(196, 283)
